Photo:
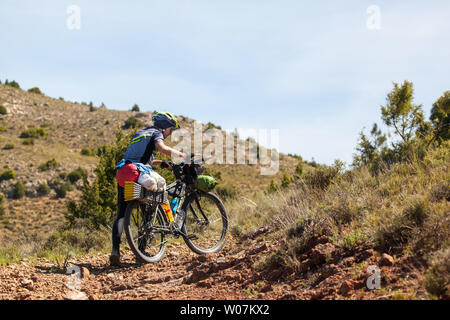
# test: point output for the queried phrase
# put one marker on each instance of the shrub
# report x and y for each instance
(226, 192)
(28, 142)
(50, 164)
(62, 189)
(98, 201)
(322, 176)
(77, 174)
(8, 146)
(18, 190)
(273, 187)
(7, 175)
(285, 181)
(35, 90)
(43, 189)
(88, 151)
(33, 133)
(2, 128)
(2, 207)
(437, 278)
(13, 84)
(211, 125)
(135, 108)
(3, 110)
(132, 122)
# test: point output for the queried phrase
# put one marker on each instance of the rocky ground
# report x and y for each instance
(326, 272)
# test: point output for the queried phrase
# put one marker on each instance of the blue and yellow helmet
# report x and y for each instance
(164, 120)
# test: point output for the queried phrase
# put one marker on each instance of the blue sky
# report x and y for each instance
(313, 70)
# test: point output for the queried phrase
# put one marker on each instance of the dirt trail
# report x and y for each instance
(182, 274)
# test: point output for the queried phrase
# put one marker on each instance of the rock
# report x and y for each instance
(85, 272)
(323, 239)
(386, 260)
(275, 275)
(76, 295)
(26, 283)
(304, 266)
(221, 260)
(322, 252)
(345, 287)
(330, 270)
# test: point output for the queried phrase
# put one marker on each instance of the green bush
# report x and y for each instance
(98, 201)
(8, 146)
(88, 151)
(7, 175)
(437, 277)
(2, 128)
(3, 110)
(50, 164)
(33, 133)
(13, 84)
(132, 122)
(28, 142)
(2, 205)
(35, 90)
(43, 189)
(61, 190)
(322, 176)
(77, 174)
(18, 190)
(211, 125)
(135, 108)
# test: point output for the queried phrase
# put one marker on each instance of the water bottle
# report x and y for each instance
(174, 204)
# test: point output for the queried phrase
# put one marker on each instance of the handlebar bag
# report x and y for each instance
(205, 183)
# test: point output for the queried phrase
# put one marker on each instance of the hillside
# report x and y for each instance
(70, 127)
(321, 232)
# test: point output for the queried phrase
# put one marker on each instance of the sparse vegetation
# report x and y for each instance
(132, 122)
(62, 189)
(7, 175)
(8, 146)
(3, 110)
(77, 174)
(18, 190)
(88, 152)
(50, 164)
(13, 84)
(2, 205)
(28, 142)
(33, 133)
(43, 189)
(35, 90)
(98, 202)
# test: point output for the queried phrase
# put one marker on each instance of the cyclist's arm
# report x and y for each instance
(168, 151)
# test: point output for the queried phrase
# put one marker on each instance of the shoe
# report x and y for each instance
(114, 260)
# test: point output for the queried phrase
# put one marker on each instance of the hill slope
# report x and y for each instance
(69, 127)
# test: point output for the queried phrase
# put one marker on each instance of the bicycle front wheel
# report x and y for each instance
(205, 224)
(145, 230)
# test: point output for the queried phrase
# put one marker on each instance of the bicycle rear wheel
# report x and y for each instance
(145, 231)
(205, 224)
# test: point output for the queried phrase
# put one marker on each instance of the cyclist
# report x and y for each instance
(139, 154)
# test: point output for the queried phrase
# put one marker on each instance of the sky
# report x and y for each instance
(316, 71)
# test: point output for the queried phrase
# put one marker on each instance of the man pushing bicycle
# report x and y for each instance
(139, 154)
